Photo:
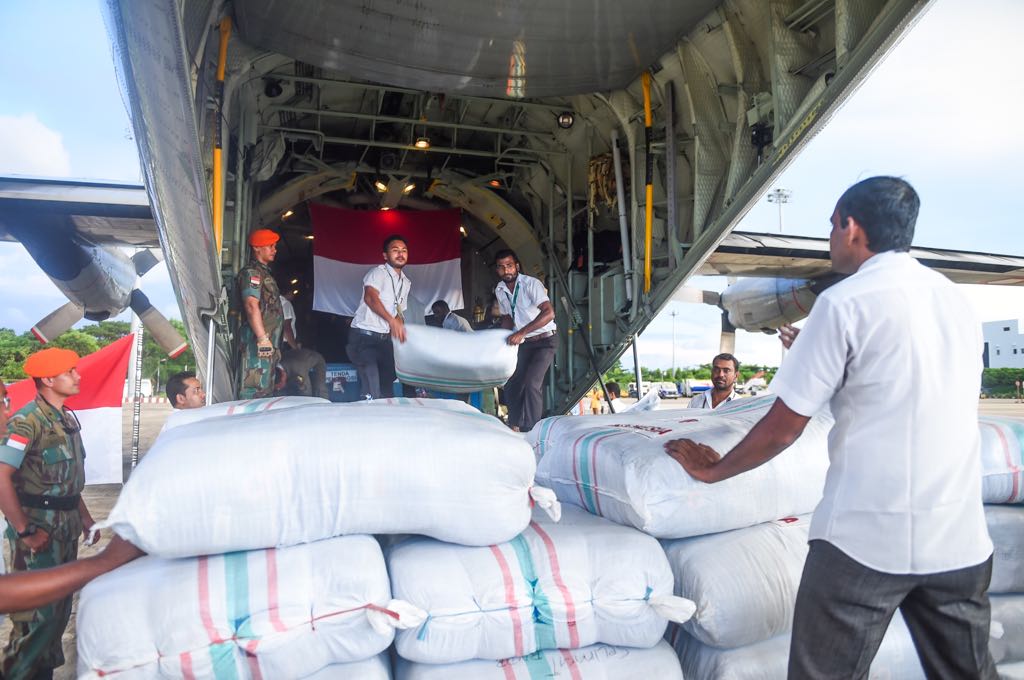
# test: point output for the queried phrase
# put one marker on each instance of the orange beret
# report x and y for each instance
(263, 237)
(50, 362)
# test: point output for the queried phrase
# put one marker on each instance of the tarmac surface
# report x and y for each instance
(100, 498)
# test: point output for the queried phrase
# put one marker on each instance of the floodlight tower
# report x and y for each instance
(780, 197)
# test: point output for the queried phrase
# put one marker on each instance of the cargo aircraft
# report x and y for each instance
(613, 145)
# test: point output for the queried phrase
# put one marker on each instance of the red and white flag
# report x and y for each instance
(347, 243)
(97, 406)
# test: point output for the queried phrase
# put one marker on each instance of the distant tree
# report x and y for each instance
(80, 342)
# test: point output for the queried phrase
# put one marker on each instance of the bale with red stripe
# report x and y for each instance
(283, 613)
(616, 466)
(450, 361)
(181, 417)
(1002, 459)
(282, 477)
(568, 585)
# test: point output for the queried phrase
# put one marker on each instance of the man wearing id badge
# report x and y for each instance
(526, 309)
(380, 318)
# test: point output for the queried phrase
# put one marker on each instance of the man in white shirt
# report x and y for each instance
(526, 309)
(615, 394)
(291, 332)
(185, 391)
(724, 369)
(379, 318)
(901, 523)
(449, 319)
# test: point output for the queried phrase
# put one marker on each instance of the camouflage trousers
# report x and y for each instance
(34, 648)
(256, 374)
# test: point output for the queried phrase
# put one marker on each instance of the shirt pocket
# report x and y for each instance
(57, 464)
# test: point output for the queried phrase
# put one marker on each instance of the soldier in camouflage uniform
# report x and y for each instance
(259, 338)
(42, 472)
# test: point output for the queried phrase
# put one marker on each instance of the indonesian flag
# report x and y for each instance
(98, 407)
(347, 243)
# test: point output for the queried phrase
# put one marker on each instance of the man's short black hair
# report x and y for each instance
(440, 308)
(176, 385)
(506, 252)
(886, 208)
(725, 356)
(613, 389)
(391, 239)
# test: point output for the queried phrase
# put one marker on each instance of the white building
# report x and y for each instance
(1004, 344)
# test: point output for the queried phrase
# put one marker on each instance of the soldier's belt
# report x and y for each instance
(31, 500)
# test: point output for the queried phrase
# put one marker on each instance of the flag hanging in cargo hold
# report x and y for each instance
(347, 243)
(97, 406)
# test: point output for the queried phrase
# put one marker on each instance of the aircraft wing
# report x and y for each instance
(108, 213)
(745, 254)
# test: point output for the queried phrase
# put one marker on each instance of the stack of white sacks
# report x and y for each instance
(730, 552)
(257, 521)
(1003, 491)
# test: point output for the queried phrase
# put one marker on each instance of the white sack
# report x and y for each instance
(1006, 528)
(616, 466)
(1012, 670)
(310, 472)
(285, 613)
(597, 662)
(375, 668)
(744, 582)
(769, 659)
(572, 584)
(1008, 613)
(185, 416)
(1002, 467)
(451, 361)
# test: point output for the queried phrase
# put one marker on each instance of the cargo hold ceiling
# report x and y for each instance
(506, 49)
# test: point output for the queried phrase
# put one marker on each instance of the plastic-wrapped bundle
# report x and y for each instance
(572, 584)
(450, 361)
(744, 582)
(769, 659)
(596, 662)
(615, 466)
(310, 472)
(1007, 640)
(282, 613)
(1001, 463)
(1006, 528)
(185, 416)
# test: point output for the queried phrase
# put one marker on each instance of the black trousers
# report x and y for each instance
(524, 390)
(374, 359)
(843, 609)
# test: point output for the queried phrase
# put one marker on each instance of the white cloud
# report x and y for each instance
(28, 147)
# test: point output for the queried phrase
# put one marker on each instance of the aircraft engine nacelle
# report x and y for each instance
(766, 304)
(104, 283)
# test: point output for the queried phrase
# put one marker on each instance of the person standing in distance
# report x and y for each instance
(379, 318)
(901, 523)
(724, 369)
(42, 473)
(525, 309)
(449, 319)
(259, 338)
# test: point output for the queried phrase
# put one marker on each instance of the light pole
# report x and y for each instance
(673, 314)
(780, 196)
(156, 388)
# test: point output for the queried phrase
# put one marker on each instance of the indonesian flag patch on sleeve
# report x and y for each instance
(17, 441)
(254, 281)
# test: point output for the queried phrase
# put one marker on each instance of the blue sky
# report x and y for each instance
(942, 111)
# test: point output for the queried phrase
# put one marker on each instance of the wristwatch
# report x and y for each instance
(30, 529)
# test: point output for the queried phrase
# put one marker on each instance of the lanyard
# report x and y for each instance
(397, 292)
(512, 300)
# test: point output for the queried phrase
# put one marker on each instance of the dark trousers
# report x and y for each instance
(843, 609)
(374, 358)
(523, 391)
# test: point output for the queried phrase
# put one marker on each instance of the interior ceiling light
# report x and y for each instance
(422, 143)
(287, 214)
(381, 187)
(309, 237)
(385, 207)
(463, 230)
(295, 292)
(495, 182)
(294, 281)
(408, 188)
(566, 119)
